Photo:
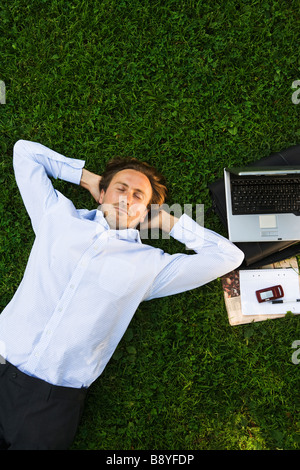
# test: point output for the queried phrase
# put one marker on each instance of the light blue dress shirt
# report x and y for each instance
(83, 281)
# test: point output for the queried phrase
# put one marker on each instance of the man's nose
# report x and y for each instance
(126, 199)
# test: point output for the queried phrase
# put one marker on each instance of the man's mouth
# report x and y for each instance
(120, 209)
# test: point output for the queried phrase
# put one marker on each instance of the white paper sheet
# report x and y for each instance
(253, 280)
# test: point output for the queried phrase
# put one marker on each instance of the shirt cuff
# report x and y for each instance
(187, 231)
(71, 170)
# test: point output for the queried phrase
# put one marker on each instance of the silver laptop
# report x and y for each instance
(263, 204)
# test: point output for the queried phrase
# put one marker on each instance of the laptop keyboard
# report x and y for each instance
(265, 195)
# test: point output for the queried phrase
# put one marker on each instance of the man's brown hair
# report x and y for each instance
(157, 180)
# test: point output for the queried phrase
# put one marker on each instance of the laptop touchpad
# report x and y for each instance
(268, 221)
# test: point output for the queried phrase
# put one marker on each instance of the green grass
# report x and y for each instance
(189, 87)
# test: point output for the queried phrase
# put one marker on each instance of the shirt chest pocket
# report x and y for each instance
(116, 276)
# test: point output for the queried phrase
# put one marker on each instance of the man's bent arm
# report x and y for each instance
(34, 164)
(214, 256)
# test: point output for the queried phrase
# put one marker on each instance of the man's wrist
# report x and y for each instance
(166, 221)
(91, 182)
(85, 180)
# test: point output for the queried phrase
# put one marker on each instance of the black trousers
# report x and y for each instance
(35, 415)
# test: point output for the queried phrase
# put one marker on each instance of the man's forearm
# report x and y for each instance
(87, 179)
(91, 182)
(166, 221)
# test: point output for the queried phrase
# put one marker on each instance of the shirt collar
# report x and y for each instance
(129, 234)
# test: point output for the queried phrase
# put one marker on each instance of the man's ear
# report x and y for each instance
(102, 192)
(144, 215)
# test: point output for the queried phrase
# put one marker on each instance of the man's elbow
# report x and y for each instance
(19, 143)
(237, 258)
(17, 147)
(19, 151)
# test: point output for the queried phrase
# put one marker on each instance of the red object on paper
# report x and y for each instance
(269, 293)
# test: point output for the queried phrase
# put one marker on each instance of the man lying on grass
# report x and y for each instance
(87, 273)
